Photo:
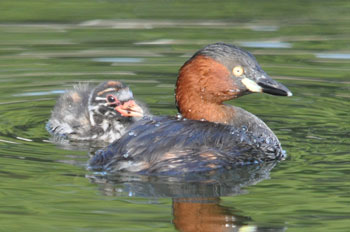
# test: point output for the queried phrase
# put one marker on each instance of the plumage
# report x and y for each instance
(94, 113)
(209, 134)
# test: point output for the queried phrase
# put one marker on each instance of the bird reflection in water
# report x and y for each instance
(206, 214)
(195, 198)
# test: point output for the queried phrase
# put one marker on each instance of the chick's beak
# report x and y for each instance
(129, 109)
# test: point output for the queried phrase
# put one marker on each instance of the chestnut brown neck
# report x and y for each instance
(202, 86)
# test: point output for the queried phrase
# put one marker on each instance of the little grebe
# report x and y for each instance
(102, 113)
(209, 134)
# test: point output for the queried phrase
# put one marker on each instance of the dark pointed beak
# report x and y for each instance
(261, 82)
(271, 86)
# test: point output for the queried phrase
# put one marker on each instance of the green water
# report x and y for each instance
(47, 46)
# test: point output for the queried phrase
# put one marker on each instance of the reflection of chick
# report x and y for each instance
(101, 113)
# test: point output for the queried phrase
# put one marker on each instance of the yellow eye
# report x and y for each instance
(238, 71)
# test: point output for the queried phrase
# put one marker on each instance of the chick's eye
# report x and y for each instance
(111, 99)
(238, 71)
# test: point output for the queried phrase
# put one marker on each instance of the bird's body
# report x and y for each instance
(171, 145)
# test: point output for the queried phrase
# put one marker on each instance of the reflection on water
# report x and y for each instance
(196, 198)
(118, 60)
(333, 56)
(39, 93)
(214, 184)
(265, 44)
(206, 215)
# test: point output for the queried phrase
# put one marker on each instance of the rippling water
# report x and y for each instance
(49, 47)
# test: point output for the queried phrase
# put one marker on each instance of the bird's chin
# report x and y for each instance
(130, 109)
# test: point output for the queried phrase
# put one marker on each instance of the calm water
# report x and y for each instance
(46, 47)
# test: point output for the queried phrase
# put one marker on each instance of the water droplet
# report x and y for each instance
(131, 133)
(189, 110)
(244, 128)
(126, 155)
(147, 117)
(202, 119)
(157, 124)
(178, 116)
(284, 154)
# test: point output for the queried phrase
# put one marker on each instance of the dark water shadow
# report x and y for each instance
(195, 198)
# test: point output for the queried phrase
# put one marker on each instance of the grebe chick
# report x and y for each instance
(101, 114)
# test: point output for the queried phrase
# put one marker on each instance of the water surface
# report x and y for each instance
(47, 47)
